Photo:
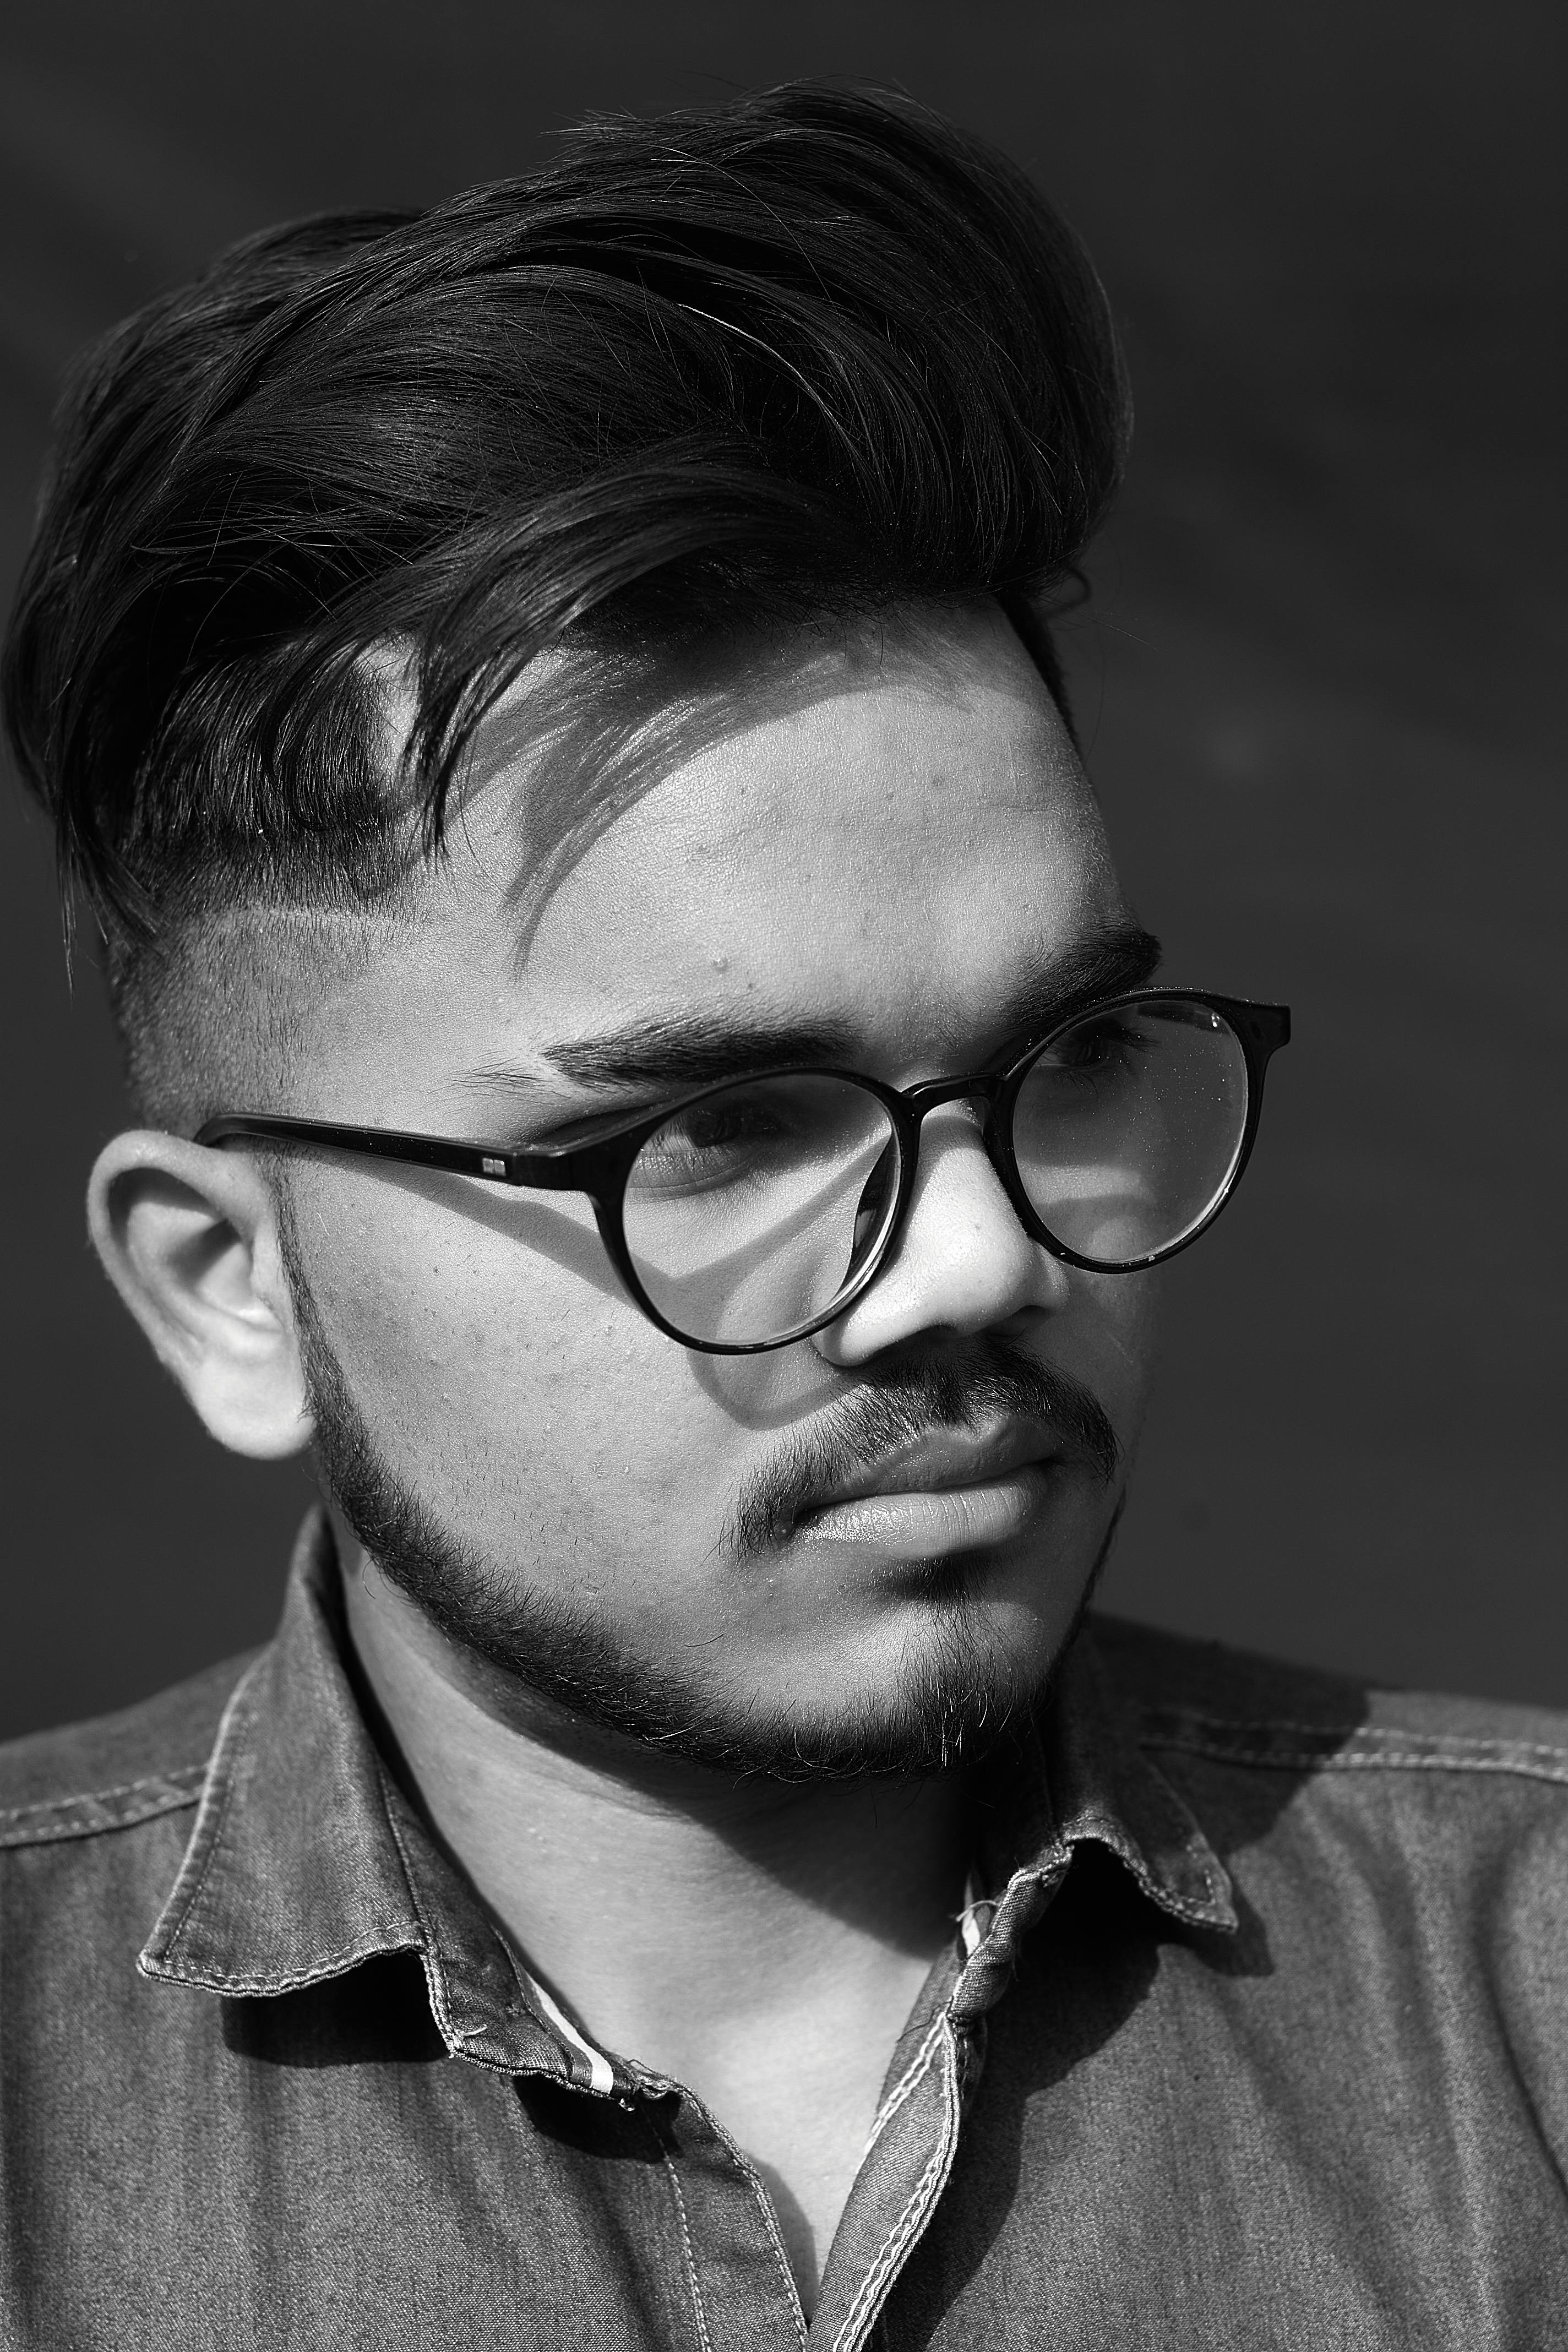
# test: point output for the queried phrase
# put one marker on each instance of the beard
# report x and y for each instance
(955, 1698)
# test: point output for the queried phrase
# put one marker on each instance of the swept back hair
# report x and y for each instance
(811, 354)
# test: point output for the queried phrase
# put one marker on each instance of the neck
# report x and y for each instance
(659, 1900)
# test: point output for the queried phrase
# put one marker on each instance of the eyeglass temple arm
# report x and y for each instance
(1266, 1027)
(547, 1171)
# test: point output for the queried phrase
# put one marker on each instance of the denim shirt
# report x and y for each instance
(1258, 2039)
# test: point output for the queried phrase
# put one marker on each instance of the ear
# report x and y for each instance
(189, 1239)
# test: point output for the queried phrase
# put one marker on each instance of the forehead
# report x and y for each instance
(906, 837)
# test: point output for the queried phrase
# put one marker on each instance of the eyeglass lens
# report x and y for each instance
(752, 1209)
(748, 1212)
(1127, 1128)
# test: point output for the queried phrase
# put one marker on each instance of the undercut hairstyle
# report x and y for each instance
(708, 378)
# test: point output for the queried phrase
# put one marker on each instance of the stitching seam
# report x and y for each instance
(187, 1896)
(791, 2290)
(902, 2089)
(1460, 1741)
(287, 1981)
(1180, 1906)
(1393, 1759)
(704, 2339)
(864, 2307)
(430, 1952)
(64, 1831)
(748, 2171)
(177, 1778)
(1104, 1828)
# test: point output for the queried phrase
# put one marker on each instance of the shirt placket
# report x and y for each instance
(909, 2156)
(743, 2292)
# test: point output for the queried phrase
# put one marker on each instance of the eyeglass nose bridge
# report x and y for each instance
(987, 1088)
(931, 1093)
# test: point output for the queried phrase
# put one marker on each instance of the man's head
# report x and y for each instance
(464, 651)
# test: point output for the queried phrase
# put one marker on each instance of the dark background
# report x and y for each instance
(1322, 684)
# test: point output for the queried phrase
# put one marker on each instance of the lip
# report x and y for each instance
(952, 1491)
(943, 1460)
(935, 1522)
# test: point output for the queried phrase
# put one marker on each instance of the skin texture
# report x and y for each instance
(897, 853)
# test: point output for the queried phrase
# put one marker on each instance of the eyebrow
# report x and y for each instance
(692, 1048)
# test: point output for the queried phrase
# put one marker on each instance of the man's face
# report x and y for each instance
(900, 859)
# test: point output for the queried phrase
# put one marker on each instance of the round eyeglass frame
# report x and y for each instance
(600, 1168)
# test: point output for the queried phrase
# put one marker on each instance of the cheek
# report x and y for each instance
(491, 1361)
(1110, 1340)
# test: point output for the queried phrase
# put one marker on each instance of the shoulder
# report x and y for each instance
(1395, 1980)
(1233, 1707)
(1331, 1799)
(117, 1770)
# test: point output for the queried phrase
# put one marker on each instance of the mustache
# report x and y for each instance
(896, 1406)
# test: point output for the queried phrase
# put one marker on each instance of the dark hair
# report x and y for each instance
(812, 352)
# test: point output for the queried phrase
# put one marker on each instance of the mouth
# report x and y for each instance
(952, 1491)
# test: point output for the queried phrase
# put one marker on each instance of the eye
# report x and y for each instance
(722, 1135)
(778, 1131)
(1109, 1047)
(712, 1126)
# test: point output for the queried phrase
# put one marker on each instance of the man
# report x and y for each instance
(644, 1065)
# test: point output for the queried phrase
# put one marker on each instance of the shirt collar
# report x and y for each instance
(1076, 1774)
(306, 1859)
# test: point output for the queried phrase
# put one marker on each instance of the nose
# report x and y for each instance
(964, 1262)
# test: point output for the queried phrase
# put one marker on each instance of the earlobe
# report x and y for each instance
(189, 1239)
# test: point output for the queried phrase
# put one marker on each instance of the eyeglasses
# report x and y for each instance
(756, 1210)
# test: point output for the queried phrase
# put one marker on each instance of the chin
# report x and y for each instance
(941, 1693)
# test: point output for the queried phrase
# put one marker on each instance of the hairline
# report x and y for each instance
(582, 721)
